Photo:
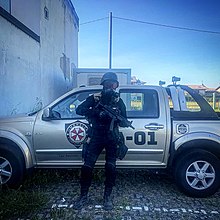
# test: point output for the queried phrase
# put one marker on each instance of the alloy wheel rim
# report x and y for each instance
(5, 170)
(200, 175)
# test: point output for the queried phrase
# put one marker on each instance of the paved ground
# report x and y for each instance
(138, 195)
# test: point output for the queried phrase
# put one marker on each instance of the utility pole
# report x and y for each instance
(110, 40)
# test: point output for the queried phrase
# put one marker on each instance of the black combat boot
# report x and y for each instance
(108, 204)
(82, 200)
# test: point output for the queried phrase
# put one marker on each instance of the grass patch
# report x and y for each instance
(43, 177)
(99, 175)
(26, 201)
(62, 213)
(31, 196)
(20, 203)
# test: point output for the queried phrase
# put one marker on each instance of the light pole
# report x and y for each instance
(110, 40)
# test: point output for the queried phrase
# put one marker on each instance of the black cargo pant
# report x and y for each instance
(99, 141)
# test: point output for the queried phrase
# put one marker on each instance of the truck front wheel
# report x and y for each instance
(11, 169)
(198, 173)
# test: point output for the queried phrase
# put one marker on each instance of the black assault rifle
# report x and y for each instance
(114, 115)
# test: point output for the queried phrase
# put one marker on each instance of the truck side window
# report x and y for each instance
(67, 107)
(141, 103)
(181, 100)
(191, 104)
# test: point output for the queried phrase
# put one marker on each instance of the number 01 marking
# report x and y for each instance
(140, 138)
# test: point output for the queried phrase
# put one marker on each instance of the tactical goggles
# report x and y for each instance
(109, 84)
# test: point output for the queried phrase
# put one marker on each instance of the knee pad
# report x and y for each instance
(90, 160)
(110, 167)
(86, 169)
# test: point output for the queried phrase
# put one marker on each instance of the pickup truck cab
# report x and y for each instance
(175, 129)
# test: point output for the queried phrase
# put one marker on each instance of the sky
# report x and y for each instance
(152, 52)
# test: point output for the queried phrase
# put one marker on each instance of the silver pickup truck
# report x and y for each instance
(175, 129)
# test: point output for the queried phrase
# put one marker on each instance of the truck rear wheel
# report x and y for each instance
(197, 174)
(11, 169)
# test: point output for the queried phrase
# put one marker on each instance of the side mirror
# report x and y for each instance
(46, 114)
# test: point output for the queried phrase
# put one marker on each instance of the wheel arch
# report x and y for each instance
(210, 146)
(18, 145)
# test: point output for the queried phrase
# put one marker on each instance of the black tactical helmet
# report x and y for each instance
(109, 76)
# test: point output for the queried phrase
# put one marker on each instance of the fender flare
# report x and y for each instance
(196, 136)
(11, 137)
(193, 141)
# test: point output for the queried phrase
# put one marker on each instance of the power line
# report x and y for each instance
(155, 24)
(88, 22)
(168, 26)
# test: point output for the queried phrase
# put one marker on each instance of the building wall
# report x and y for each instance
(19, 71)
(59, 50)
(28, 12)
(33, 73)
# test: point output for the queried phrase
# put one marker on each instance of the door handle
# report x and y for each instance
(154, 126)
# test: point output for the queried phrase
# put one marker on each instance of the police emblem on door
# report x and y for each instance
(76, 133)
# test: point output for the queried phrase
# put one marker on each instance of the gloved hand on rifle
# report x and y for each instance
(99, 113)
(103, 115)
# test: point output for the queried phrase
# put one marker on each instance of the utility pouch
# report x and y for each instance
(85, 148)
(122, 149)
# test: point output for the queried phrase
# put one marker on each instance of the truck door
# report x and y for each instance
(58, 139)
(147, 143)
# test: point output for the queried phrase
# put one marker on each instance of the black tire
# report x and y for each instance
(197, 174)
(12, 168)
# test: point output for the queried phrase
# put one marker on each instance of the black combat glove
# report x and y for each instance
(103, 115)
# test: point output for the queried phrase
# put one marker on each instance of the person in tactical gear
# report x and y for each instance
(100, 137)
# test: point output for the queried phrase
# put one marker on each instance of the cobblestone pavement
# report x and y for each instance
(138, 194)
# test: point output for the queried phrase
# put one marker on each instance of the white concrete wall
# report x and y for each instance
(28, 12)
(32, 74)
(59, 43)
(19, 70)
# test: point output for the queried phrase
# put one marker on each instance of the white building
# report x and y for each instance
(38, 52)
(92, 76)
